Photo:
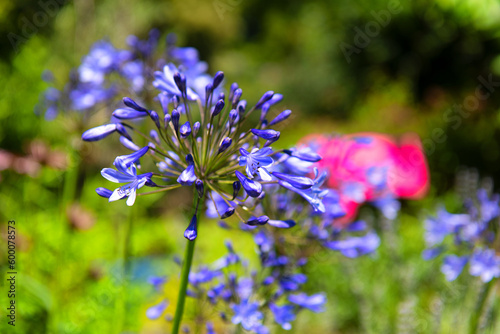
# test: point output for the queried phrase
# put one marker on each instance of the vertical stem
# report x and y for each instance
(186, 268)
(477, 314)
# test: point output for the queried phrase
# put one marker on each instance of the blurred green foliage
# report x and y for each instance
(427, 59)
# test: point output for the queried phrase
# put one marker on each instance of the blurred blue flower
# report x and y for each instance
(453, 265)
(314, 303)
(484, 263)
(247, 314)
(283, 315)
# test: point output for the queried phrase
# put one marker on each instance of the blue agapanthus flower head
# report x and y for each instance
(199, 138)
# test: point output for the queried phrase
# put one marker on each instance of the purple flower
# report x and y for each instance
(204, 275)
(484, 263)
(283, 315)
(84, 96)
(253, 188)
(133, 71)
(436, 229)
(388, 206)
(129, 176)
(157, 281)
(247, 314)
(292, 282)
(356, 246)
(188, 177)
(431, 253)
(154, 312)
(256, 162)
(210, 327)
(165, 82)
(314, 194)
(453, 266)
(489, 209)
(314, 303)
(102, 59)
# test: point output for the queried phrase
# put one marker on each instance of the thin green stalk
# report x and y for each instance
(477, 315)
(186, 268)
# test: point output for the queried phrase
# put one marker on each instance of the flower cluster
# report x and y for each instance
(242, 297)
(104, 72)
(466, 238)
(374, 168)
(202, 139)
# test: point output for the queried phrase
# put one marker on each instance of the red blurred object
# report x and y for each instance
(365, 167)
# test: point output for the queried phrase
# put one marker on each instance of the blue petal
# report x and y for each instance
(116, 176)
(99, 132)
(299, 182)
(187, 177)
(253, 189)
(127, 160)
(128, 113)
(282, 223)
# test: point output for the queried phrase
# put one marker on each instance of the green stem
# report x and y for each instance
(476, 316)
(186, 268)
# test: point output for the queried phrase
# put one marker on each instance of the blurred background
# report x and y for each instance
(418, 72)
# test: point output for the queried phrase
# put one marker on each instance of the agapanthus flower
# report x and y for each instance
(247, 314)
(466, 238)
(197, 141)
(104, 72)
(355, 246)
(485, 264)
(314, 303)
(126, 173)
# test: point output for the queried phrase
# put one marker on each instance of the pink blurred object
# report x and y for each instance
(368, 167)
